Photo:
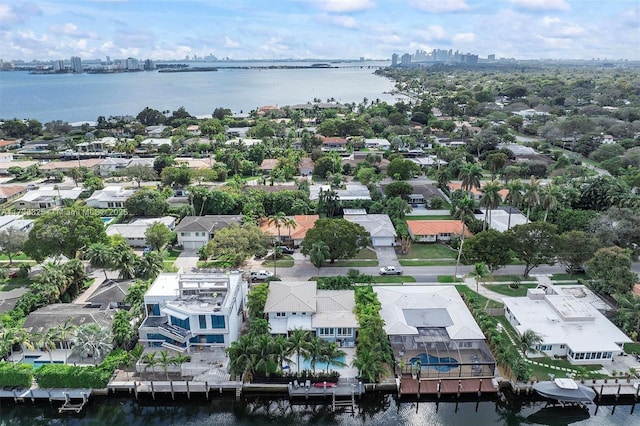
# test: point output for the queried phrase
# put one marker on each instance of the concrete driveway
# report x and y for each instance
(387, 256)
(188, 260)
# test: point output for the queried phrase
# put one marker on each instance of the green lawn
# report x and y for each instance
(365, 253)
(285, 261)
(521, 291)
(632, 347)
(509, 278)
(568, 277)
(19, 256)
(389, 279)
(447, 279)
(427, 217)
(353, 263)
(172, 255)
(451, 262)
(429, 251)
(488, 303)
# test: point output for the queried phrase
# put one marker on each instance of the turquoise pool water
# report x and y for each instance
(305, 364)
(106, 220)
(443, 365)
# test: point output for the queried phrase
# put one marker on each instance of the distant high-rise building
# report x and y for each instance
(491, 57)
(108, 59)
(58, 65)
(132, 64)
(405, 59)
(76, 64)
(394, 60)
(149, 65)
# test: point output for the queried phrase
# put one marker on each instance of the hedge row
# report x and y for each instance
(15, 375)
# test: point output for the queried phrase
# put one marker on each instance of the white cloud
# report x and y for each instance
(17, 14)
(340, 20)
(67, 29)
(541, 4)
(231, 43)
(341, 6)
(440, 6)
(555, 27)
(464, 37)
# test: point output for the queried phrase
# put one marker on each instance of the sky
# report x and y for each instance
(322, 29)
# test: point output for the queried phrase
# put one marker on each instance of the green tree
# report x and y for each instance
(463, 210)
(172, 176)
(549, 198)
(470, 175)
(12, 241)
(280, 220)
(64, 232)
(122, 329)
(490, 200)
(157, 236)
(94, 340)
(490, 247)
(628, 313)
(237, 243)
(534, 244)
(147, 202)
(256, 300)
(574, 248)
(100, 255)
(367, 175)
(398, 189)
(149, 266)
(514, 197)
(318, 254)
(532, 194)
(401, 169)
(65, 333)
(610, 271)
(47, 342)
(150, 117)
(479, 273)
(140, 173)
(343, 238)
(529, 341)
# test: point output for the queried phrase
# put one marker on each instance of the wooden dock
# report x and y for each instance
(177, 387)
(73, 399)
(409, 386)
(616, 390)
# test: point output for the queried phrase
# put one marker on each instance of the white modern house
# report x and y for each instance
(188, 312)
(134, 232)
(109, 197)
(47, 197)
(379, 226)
(569, 323)
(377, 143)
(329, 314)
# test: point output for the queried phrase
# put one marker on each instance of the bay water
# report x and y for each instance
(85, 97)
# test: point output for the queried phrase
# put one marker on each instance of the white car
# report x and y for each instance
(390, 270)
(262, 274)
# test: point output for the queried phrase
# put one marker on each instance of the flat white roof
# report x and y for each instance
(402, 306)
(563, 319)
(500, 219)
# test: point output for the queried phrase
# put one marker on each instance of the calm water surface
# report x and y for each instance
(374, 410)
(78, 97)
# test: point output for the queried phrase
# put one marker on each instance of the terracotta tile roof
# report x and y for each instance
(303, 224)
(436, 227)
(4, 142)
(269, 164)
(8, 191)
(61, 165)
(333, 140)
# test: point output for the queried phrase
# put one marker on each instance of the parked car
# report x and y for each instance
(390, 270)
(147, 250)
(286, 250)
(260, 275)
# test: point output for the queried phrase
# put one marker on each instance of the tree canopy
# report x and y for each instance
(533, 244)
(343, 238)
(147, 202)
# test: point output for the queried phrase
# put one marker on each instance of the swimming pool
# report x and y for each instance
(106, 220)
(37, 360)
(305, 364)
(443, 365)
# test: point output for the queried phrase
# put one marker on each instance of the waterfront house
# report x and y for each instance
(377, 143)
(154, 131)
(379, 226)
(568, 320)
(329, 314)
(188, 312)
(349, 192)
(431, 231)
(333, 144)
(112, 165)
(196, 231)
(9, 193)
(109, 197)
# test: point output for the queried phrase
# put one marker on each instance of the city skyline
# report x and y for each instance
(297, 29)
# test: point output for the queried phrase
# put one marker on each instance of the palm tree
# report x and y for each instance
(10, 336)
(65, 332)
(318, 254)
(281, 350)
(165, 361)
(490, 200)
(46, 342)
(125, 262)
(532, 194)
(629, 313)
(479, 272)
(279, 220)
(470, 175)
(150, 361)
(100, 255)
(315, 350)
(122, 329)
(131, 357)
(263, 346)
(529, 340)
(514, 197)
(299, 344)
(150, 265)
(331, 355)
(369, 365)
(93, 339)
(462, 211)
(550, 196)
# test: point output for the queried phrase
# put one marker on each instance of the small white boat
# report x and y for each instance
(565, 390)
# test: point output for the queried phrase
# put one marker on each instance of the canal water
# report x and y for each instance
(374, 409)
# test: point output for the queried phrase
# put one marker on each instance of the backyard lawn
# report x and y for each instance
(429, 251)
(365, 257)
(488, 303)
(521, 291)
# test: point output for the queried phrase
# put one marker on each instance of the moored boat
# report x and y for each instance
(565, 390)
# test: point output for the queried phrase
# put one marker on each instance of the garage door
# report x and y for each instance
(382, 242)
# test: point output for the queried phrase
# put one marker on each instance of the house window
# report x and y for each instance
(280, 314)
(562, 346)
(203, 321)
(185, 234)
(325, 331)
(293, 313)
(343, 331)
(215, 338)
(217, 321)
(180, 323)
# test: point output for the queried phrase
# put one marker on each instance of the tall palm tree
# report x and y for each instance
(47, 342)
(93, 339)
(150, 361)
(490, 200)
(318, 254)
(65, 332)
(122, 328)
(529, 340)
(550, 197)
(299, 344)
(281, 350)
(532, 194)
(150, 265)
(369, 364)
(279, 220)
(165, 361)
(463, 210)
(315, 350)
(100, 255)
(480, 272)
(331, 355)
(629, 312)
(514, 197)
(470, 175)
